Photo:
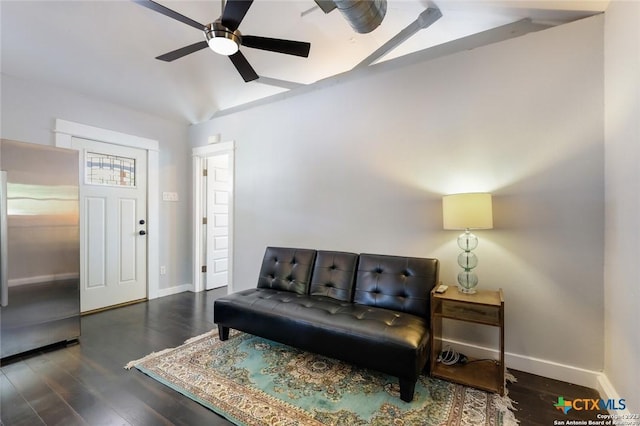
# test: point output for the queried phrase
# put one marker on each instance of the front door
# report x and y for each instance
(113, 214)
(218, 197)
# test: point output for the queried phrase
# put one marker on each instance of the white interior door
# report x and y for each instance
(113, 215)
(217, 240)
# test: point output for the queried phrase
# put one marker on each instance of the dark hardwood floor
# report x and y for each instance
(86, 384)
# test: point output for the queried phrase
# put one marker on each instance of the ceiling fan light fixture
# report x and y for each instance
(223, 46)
(221, 40)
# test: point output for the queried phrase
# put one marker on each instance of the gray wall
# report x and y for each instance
(362, 165)
(622, 137)
(29, 111)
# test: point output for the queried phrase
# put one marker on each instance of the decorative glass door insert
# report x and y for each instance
(110, 170)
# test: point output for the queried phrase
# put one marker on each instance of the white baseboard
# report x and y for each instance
(162, 292)
(553, 370)
(593, 379)
(607, 391)
(540, 367)
(43, 279)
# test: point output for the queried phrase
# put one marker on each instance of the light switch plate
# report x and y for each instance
(169, 196)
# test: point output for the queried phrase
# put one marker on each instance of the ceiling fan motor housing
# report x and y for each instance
(364, 16)
(221, 39)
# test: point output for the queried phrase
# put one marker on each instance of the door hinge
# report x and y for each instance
(204, 268)
(204, 172)
(204, 220)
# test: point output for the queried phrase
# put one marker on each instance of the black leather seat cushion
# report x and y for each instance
(287, 269)
(333, 275)
(394, 282)
(331, 327)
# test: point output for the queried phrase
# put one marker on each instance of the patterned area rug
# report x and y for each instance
(253, 381)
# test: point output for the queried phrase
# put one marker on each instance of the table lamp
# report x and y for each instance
(467, 211)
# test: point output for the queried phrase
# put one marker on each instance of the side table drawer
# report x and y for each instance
(469, 312)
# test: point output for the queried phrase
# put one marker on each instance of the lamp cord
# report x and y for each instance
(450, 356)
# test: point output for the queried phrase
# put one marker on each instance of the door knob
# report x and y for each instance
(143, 232)
(141, 222)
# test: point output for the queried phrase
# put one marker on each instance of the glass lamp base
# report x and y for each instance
(467, 282)
(466, 290)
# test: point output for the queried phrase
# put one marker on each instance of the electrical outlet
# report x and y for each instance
(163, 270)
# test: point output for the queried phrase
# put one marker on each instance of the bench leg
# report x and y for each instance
(223, 332)
(407, 387)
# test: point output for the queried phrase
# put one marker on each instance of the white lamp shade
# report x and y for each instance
(467, 211)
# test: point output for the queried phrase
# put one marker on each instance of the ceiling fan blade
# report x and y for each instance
(289, 47)
(183, 51)
(170, 13)
(234, 12)
(326, 5)
(243, 66)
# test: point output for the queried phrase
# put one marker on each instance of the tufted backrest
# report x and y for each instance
(333, 275)
(397, 283)
(286, 269)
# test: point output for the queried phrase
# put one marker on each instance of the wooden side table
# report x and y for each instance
(484, 307)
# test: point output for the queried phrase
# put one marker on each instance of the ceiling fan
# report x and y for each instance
(223, 37)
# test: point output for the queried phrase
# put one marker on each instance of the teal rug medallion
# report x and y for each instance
(255, 382)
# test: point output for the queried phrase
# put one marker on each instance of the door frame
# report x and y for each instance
(65, 130)
(200, 155)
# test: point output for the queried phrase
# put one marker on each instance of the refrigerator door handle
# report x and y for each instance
(4, 263)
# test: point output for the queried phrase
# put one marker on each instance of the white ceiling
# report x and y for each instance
(106, 49)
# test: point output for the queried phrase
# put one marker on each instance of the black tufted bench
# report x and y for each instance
(370, 310)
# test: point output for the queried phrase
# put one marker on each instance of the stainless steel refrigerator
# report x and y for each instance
(40, 247)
